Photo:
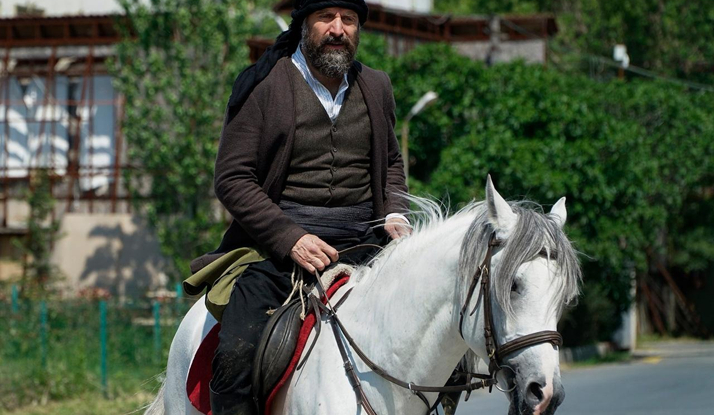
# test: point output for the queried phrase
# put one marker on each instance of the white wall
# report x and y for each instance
(63, 7)
(113, 251)
(70, 7)
(531, 51)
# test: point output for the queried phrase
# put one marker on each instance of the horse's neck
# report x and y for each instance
(403, 314)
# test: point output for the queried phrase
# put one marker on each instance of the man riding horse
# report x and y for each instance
(307, 165)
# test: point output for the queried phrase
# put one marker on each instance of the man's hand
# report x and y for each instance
(397, 228)
(311, 252)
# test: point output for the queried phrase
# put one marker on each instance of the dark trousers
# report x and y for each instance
(261, 287)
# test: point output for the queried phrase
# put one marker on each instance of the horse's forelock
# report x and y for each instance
(532, 232)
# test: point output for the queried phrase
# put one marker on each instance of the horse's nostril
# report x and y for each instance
(536, 392)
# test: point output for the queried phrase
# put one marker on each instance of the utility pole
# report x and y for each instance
(426, 100)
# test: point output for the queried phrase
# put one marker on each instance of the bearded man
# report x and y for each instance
(308, 165)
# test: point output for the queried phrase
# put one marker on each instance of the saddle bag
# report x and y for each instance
(275, 350)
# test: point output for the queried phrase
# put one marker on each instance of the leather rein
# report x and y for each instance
(496, 353)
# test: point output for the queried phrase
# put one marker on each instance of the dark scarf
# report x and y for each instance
(285, 45)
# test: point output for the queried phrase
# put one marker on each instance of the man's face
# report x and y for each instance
(330, 38)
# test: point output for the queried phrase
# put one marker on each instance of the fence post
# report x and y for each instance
(43, 333)
(15, 299)
(103, 347)
(157, 331)
(177, 303)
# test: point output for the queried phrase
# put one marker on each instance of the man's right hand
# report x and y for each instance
(311, 253)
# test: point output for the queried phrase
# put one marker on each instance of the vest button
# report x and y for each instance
(334, 129)
(334, 149)
(334, 169)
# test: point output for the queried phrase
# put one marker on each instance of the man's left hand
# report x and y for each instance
(397, 228)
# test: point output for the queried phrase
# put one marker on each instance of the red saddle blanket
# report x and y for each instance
(199, 375)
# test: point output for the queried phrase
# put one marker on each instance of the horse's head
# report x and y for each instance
(534, 272)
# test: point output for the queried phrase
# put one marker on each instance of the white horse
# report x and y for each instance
(403, 312)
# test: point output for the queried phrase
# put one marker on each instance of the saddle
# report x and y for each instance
(276, 349)
(279, 350)
(284, 339)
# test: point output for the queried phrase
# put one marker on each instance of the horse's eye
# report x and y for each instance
(548, 255)
(514, 287)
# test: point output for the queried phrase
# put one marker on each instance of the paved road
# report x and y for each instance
(670, 379)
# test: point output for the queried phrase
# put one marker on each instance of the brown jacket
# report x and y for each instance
(253, 161)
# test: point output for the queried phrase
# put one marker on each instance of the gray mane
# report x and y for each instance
(533, 231)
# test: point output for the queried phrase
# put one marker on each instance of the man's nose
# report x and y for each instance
(336, 28)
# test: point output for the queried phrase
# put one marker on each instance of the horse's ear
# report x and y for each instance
(500, 213)
(558, 212)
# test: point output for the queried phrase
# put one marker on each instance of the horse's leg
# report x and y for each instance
(193, 329)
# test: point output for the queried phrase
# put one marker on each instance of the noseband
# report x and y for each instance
(497, 353)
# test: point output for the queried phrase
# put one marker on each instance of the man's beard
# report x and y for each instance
(332, 63)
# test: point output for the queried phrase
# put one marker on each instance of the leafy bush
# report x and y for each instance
(635, 160)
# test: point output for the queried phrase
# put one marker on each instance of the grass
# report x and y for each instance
(47, 365)
(89, 404)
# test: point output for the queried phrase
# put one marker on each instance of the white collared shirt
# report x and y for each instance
(332, 105)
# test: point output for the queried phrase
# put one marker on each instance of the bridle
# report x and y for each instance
(496, 353)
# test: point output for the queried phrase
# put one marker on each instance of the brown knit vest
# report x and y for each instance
(329, 165)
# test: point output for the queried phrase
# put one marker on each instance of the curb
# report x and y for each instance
(581, 353)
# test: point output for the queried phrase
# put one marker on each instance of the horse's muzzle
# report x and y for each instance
(534, 396)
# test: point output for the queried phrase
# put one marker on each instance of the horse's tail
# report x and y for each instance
(157, 406)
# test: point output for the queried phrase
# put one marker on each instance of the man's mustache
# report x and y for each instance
(333, 40)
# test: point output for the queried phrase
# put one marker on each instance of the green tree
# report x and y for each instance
(42, 232)
(634, 159)
(674, 37)
(484, 7)
(176, 66)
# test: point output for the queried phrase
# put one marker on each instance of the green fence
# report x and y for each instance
(56, 349)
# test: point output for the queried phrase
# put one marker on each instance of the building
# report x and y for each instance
(15, 8)
(59, 113)
(407, 23)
